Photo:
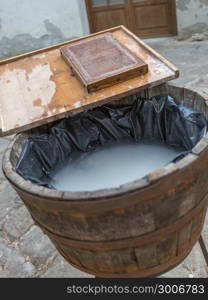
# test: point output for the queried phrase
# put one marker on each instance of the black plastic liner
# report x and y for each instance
(156, 119)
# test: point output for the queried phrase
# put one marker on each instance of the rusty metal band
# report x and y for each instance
(138, 241)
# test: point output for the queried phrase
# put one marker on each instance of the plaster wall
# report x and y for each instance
(27, 25)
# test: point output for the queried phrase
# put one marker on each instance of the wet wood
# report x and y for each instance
(201, 146)
(38, 87)
(100, 62)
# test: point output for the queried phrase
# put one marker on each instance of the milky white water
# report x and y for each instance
(111, 166)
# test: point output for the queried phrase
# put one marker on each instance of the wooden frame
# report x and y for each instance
(77, 57)
(174, 23)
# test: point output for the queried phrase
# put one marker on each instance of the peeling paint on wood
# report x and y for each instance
(45, 77)
(20, 84)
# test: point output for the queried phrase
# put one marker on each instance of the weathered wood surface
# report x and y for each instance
(101, 61)
(141, 229)
(39, 87)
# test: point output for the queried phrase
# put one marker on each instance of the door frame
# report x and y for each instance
(89, 14)
(173, 27)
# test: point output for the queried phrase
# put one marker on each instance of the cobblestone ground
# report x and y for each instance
(26, 252)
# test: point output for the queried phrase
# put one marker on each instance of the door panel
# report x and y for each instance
(146, 18)
(153, 18)
(158, 17)
(109, 18)
(104, 14)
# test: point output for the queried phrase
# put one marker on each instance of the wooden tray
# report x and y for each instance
(38, 87)
(102, 61)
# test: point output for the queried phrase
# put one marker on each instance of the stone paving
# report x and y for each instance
(26, 252)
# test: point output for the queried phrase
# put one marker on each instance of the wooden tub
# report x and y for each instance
(141, 229)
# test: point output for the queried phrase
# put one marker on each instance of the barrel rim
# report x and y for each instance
(129, 187)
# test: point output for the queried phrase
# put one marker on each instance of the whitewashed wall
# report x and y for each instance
(192, 17)
(32, 24)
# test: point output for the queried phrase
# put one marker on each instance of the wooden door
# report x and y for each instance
(153, 18)
(104, 14)
(146, 18)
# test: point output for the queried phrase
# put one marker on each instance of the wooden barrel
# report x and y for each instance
(141, 229)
